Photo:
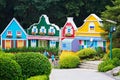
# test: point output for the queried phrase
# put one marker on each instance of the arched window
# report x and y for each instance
(42, 29)
(69, 30)
(34, 29)
(52, 30)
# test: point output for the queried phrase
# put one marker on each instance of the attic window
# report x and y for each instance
(51, 31)
(91, 27)
(9, 33)
(42, 30)
(19, 34)
(34, 30)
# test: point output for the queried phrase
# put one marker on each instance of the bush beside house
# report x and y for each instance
(33, 64)
(110, 64)
(9, 69)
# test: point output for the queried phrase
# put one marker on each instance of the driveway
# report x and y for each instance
(78, 74)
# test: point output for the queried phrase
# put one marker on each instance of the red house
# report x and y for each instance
(68, 30)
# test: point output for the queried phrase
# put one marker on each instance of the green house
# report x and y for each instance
(43, 34)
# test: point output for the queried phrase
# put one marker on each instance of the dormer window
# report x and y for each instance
(9, 34)
(19, 34)
(91, 27)
(42, 30)
(68, 31)
(34, 30)
(51, 31)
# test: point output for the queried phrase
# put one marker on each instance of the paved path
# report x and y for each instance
(78, 74)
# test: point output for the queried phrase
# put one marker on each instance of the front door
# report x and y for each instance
(20, 43)
(7, 44)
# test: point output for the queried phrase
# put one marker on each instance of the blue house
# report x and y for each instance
(13, 36)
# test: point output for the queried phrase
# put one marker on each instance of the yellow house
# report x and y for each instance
(89, 34)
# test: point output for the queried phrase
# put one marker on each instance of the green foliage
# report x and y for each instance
(69, 61)
(108, 64)
(7, 55)
(41, 77)
(115, 53)
(29, 11)
(33, 64)
(86, 53)
(112, 13)
(105, 66)
(106, 57)
(9, 69)
(33, 49)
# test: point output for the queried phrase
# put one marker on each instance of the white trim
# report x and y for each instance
(56, 26)
(70, 20)
(18, 25)
(94, 15)
(47, 21)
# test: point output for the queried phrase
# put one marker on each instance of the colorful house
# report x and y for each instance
(43, 34)
(68, 30)
(13, 36)
(70, 45)
(89, 34)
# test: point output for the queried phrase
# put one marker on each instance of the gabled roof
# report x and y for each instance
(47, 21)
(95, 16)
(70, 20)
(17, 24)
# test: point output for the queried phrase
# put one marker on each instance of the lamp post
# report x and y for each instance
(112, 29)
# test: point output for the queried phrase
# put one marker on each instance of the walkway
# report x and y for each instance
(78, 74)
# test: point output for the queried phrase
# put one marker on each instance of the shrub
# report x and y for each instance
(7, 55)
(41, 77)
(106, 65)
(86, 53)
(115, 53)
(100, 52)
(9, 69)
(33, 64)
(69, 61)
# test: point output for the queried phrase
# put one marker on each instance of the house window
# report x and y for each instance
(33, 43)
(91, 27)
(34, 30)
(9, 34)
(19, 34)
(51, 31)
(42, 30)
(68, 31)
(52, 43)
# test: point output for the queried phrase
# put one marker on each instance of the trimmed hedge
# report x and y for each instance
(7, 55)
(115, 53)
(86, 53)
(33, 49)
(69, 61)
(41, 77)
(33, 64)
(9, 69)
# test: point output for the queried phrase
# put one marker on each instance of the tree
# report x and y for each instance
(112, 13)
(28, 12)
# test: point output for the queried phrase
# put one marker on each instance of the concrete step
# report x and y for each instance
(90, 65)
